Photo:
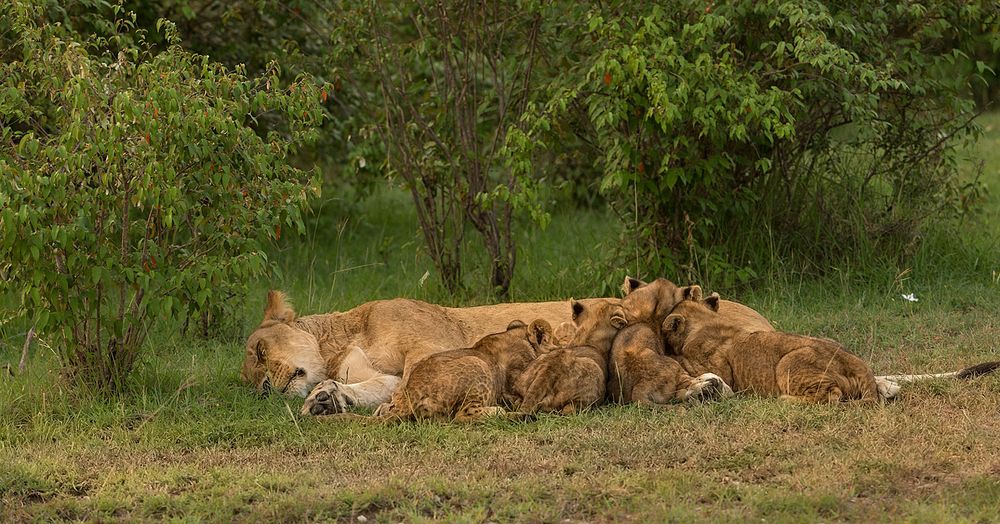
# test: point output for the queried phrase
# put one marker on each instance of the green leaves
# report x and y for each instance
(706, 120)
(136, 190)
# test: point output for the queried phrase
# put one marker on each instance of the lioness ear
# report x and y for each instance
(672, 324)
(515, 324)
(618, 320)
(712, 301)
(277, 307)
(577, 309)
(540, 333)
(692, 292)
(631, 284)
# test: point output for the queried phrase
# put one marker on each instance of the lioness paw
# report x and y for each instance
(327, 398)
(887, 389)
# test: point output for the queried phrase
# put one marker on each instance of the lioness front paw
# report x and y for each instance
(327, 398)
(708, 387)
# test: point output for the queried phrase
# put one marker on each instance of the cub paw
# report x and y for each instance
(708, 387)
(327, 398)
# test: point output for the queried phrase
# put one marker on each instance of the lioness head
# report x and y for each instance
(596, 323)
(653, 301)
(279, 355)
(686, 314)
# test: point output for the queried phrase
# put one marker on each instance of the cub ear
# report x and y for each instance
(577, 309)
(712, 301)
(514, 324)
(674, 323)
(692, 292)
(630, 285)
(278, 308)
(540, 333)
(618, 320)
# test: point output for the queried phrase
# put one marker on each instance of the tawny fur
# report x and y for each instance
(768, 363)
(640, 372)
(293, 354)
(652, 302)
(574, 377)
(468, 384)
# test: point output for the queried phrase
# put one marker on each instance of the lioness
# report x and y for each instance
(468, 384)
(364, 351)
(642, 373)
(573, 377)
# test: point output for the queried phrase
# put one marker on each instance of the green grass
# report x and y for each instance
(187, 441)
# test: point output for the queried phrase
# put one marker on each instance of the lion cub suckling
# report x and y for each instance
(573, 377)
(468, 384)
(642, 373)
(769, 363)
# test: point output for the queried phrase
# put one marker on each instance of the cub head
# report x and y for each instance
(687, 315)
(651, 302)
(538, 334)
(280, 356)
(597, 321)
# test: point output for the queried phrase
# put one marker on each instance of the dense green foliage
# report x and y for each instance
(822, 130)
(137, 184)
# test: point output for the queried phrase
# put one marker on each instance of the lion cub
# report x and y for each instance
(468, 384)
(770, 363)
(573, 377)
(642, 373)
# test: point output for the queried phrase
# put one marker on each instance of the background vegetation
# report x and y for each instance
(816, 167)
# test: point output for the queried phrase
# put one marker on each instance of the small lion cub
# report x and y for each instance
(768, 363)
(574, 377)
(641, 372)
(468, 384)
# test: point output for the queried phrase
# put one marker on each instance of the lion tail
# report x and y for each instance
(977, 370)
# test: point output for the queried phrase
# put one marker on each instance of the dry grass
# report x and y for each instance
(932, 455)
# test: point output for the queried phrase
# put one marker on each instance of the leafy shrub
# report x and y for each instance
(137, 185)
(735, 131)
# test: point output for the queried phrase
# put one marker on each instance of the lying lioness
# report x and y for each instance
(640, 372)
(573, 377)
(364, 351)
(468, 384)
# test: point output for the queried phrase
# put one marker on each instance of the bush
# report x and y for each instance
(730, 133)
(137, 185)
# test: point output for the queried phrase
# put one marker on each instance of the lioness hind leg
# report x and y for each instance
(887, 389)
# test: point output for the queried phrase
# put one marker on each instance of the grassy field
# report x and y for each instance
(189, 442)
